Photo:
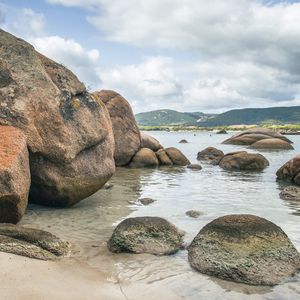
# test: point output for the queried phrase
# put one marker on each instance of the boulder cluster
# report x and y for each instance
(60, 143)
(261, 138)
(234, 161)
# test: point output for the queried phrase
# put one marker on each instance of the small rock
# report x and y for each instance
(222, 131)
(193, 213)
(152, 235)
(194, 167)
(290, 193)
(107, 186)
(183, 141)
(146, 201)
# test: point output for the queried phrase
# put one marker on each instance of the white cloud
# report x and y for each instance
(26, 23)
(84, 63)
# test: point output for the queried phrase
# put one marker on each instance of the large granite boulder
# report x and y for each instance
(251, 136)
(68, 132)
(125, 129)
(211, 154)
(14, 174)
(148, 141)
(152, 235)
(273, 144)
(144, 158)
(246, 249)
(243, 160)
(177, 157)
(33, 243)
(290, 171)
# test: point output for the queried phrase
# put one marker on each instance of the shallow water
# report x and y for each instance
(212, 191)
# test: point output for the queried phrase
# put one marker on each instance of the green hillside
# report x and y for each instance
(274, 115)
(167, 117)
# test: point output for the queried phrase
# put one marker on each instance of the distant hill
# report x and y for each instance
(274, 115)
(247, 116)
(169, 117)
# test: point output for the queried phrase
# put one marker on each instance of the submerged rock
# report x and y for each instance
(243, 160)
(273, 144)
(290, 171)
(251, 136)
(150, 142)
(246, 249)
(290, 193)
(152, 235)
(177, 157)
(164, 159)
(69, 133)
(14, 174)
(33, 243)
(193, 213)
(194, 167)
(144, 158)
(183, 141)
(211, 154)
(126, 132)
(146, 201)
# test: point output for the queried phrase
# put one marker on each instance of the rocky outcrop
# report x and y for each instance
(146, 235)
(148, 141)
(33, 243)
(14, 174)
(211, 154)
(290, 193)
(193, 213)
(251, 136)
(68, 132)
(126, 132)
(274, 144)
(163, 158)
(242, 160)
(144, 158)
(246, 249)
(177, 157)
(290, 171)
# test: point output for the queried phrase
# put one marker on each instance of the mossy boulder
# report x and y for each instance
(246, 249)
(152, 235)
(33, 243)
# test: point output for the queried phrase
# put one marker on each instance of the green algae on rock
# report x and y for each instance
(33, 243)
(246, 249)
(152, 235)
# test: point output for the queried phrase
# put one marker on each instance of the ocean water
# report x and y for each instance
(212, 191)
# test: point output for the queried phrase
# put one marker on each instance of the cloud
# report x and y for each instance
(84, 63)
(25, 23)
(150, 84)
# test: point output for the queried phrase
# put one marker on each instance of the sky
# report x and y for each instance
(187, 55)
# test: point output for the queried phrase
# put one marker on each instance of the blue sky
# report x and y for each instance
(188, 55)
